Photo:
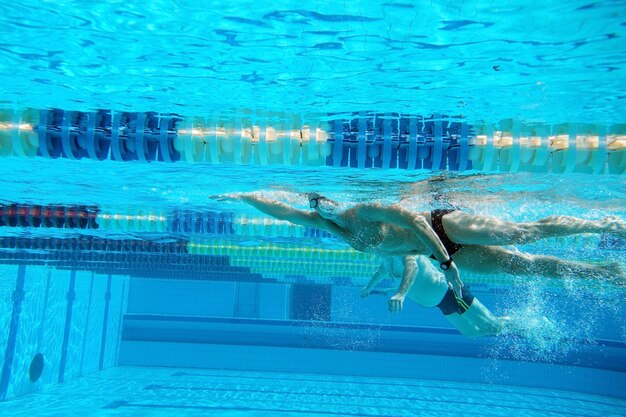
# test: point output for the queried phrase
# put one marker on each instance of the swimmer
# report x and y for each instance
(422, 283)
(451, 237)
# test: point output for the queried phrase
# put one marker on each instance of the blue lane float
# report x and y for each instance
(391, 140)
(361, 140)
(193, 222)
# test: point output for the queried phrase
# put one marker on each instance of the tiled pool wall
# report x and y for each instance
(83, 322)
(71, 318)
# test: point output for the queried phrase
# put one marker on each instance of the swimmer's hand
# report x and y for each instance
(365, 292)
(227, 197)
(396, 302)
(454, 279)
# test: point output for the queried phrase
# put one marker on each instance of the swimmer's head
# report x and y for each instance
(326, 207)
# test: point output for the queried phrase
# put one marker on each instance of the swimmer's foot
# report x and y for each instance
(613, 272)
(615, 226)
(505, 325)
(551, 334)
(533, 329)
(548, 326)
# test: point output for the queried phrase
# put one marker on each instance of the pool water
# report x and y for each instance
(130, 287)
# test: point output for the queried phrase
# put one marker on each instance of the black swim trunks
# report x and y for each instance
(453, 304)
(436, 220)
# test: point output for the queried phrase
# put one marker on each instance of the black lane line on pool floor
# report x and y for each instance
(558, 394)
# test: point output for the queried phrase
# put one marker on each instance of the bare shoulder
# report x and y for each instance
(318, 221)
(315, 219)
(407, 211)
(367, 210)
(364, 206)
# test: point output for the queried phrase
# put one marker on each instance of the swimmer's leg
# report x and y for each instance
(478, 321)
(466, 328)
(497, 260)
(471, 229)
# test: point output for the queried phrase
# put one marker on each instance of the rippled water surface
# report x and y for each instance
(557, 61)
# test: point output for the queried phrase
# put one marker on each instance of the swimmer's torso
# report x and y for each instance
(379, 238)
(429, 286)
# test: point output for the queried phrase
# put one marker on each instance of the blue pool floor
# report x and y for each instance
(125, 391)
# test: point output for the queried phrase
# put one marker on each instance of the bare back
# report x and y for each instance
(378, 238)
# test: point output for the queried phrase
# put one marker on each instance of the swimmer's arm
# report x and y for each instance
(428, 236)
(380, 273)
(405, 219)
(408, 276)
(282, 211)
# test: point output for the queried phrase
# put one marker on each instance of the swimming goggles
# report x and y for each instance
(314, 202)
